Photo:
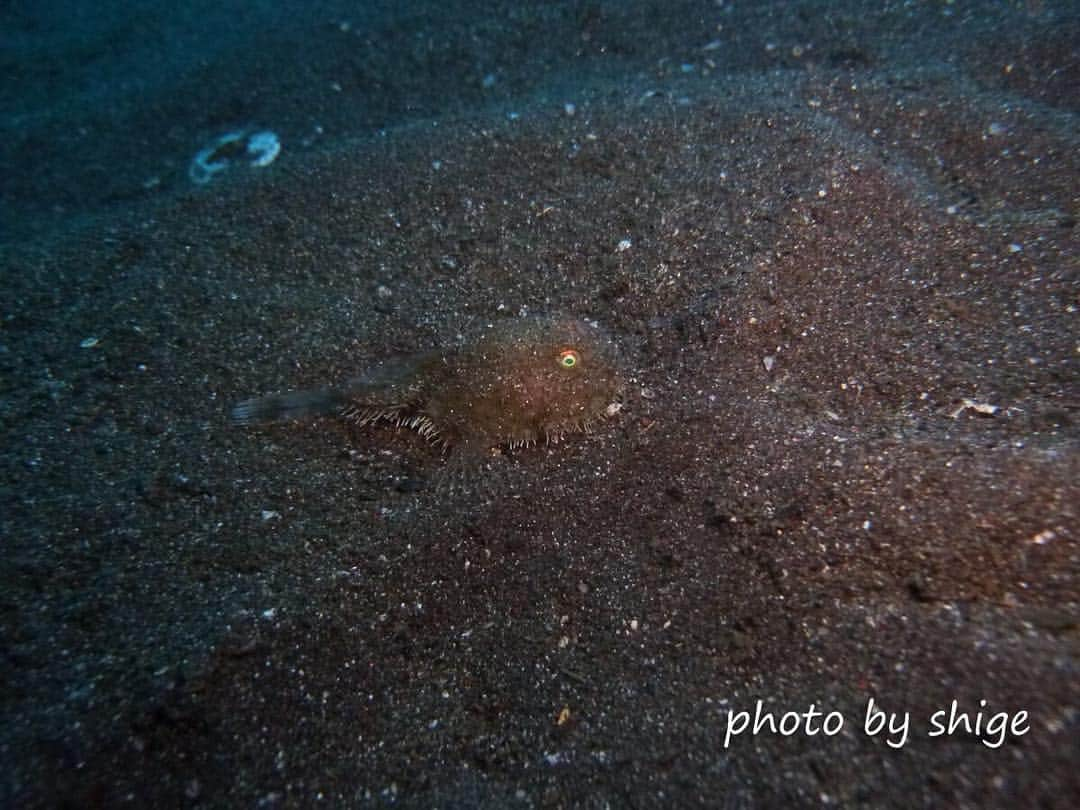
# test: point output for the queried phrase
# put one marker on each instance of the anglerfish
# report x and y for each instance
(516, 383)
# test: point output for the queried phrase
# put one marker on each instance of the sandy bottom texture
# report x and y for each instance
(838, 251)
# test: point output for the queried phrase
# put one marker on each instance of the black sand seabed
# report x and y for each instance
(837, 244)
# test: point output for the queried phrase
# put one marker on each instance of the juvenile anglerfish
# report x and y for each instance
(517, 383)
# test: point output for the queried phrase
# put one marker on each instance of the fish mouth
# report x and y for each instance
(555, 431)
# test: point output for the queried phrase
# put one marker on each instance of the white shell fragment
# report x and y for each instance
(263, 148)
(257, 149)
(979, 407)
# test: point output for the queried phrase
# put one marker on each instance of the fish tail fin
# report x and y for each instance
(288, 406)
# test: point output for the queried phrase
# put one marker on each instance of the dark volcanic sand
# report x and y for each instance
(846, 467)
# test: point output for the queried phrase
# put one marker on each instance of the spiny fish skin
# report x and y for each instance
(520, 382)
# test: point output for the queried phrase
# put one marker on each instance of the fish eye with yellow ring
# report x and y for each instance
(568, 358)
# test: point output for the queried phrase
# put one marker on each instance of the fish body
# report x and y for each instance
(514, 384)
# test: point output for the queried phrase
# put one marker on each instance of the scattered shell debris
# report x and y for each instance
(1043, 537)
(979, 407)
(256, 149)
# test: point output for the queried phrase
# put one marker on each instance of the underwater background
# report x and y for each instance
(835, 247)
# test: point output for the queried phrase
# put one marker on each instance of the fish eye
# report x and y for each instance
(568, 358)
